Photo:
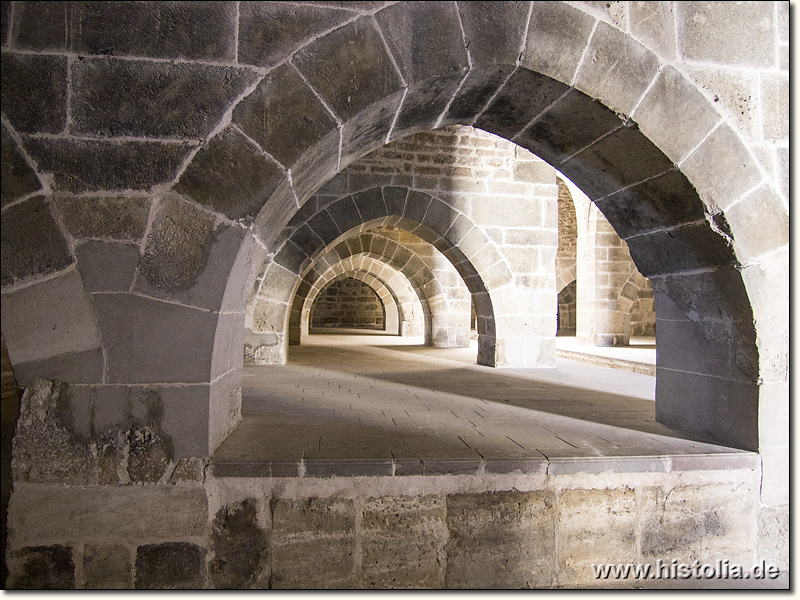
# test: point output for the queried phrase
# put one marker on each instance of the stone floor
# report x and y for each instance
(350, 405)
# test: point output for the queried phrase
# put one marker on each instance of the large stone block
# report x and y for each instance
(594, 526)
(18, 177)
(275, 214)
(231, 176)
(345, 213)
(106, 567)
(150, 341)
(171, 565)
(712, 32)
(525, 95)
(271, 31)
(117, 218)
(369, 129)
(32, 242)
(81, 165)
(40, 26)
(240, 548)
(768, 232)
(500, 540)
(350, 68)
(476, 91)
(42, 568)
(548, 50)
(114, 98)
(654, 24)
(313, 544)
(49, 319)
(192, 30)
(494, 31)
(34, 92)
(84, 366)
(107, 266)
(97, 514)
(402, 543)
(425, 39)
(424, 103)
(283, 115)
(617, 70)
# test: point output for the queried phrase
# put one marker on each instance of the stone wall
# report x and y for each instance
(348, 303)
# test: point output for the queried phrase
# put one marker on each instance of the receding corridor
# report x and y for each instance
(370, 404)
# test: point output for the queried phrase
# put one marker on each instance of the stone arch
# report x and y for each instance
(395, 290)
(581, 93)
(367, 315)
(566, 277)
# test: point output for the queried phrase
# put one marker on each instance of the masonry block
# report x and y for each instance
(34, 92)
(345, 214)
(350, 68)
(274, 214)
(424, 103)
(171, 565)
(476, 91)
(107, 266)
(106, 567)
(481, 21)
(764, 234)
(32, 242)
(240, 548)
(654, 24)
(231, 176)
(313, 544)
(116, 218)
(548, 50)
(500, 540)
(82, 165)
(368, 131)
(42, 568)
(40, 26)
(18, 177)
(773, 535)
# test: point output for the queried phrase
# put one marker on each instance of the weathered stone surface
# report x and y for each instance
(483, 21)
(616, 70)
(424, 103)
(193, 30)
(402, 543)
(595, 526)
(189, 469)
(231, 176)
(316, 166)
(654, 24)
(671, 99)
(425, 39)
(548, 50)
(93, 515)
(525, 95)
(283, 115)
(620, 159)
(313, 544)
(34, 92)
(89, 165)
(712, 32)
(768, 232)
(775, 107)
(44, 450)
(241, 548)
(113, 98)
(178, 246)
(32, 242)
(107, 266)
(40, 26)
(49, 319)
(149, 454)
(118, 218)
(700, 522)
(476, 91)
(74, 367)
(18, 178)
(572, 124)
(349, 68)
(106, 567)
(42, 568)
(368, 131)
(140, 339)
(665, 201)
(500, 540)
(270, 31)
(173, 565)
(5, 22)
(773, 535)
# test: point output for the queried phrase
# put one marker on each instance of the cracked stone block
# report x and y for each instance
(106, 567)
(313, 544)
(32, 242)
(42, 568)
(34, 92)
(231, 176)
(115, 98)
(80, 165)
(116, 218)
(271, 31)
(192, 30)
(240, 547)
(172, 565)
(350, 68)
(402, 543)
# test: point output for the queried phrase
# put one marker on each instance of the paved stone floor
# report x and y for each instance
(349, 405)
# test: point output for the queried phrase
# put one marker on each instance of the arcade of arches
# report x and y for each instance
(191, 191)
